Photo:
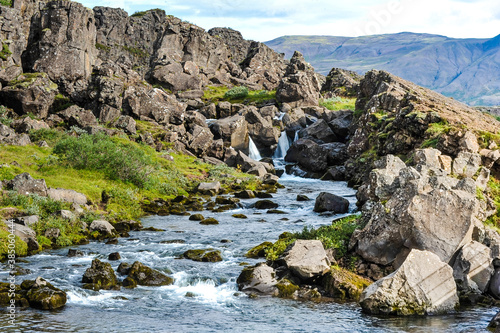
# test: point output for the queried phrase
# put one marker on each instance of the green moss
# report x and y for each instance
(286, 289)
(258, 251)
(220, 93)
(102, 47)
(343, 284)
(25, 80)
(140, 53)
(5, 53)
(236, 93)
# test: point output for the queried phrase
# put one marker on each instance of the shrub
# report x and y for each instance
(33, 204)
(51, 136)
(117, 160)
(236, 93)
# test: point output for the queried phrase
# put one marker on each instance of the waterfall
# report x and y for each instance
(283, 146)
(296, 137)
(253, 152)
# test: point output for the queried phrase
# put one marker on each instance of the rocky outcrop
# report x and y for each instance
(61, 194)
(473, 268)
(62, 44)
(300, 86)
(341, 82)
(145, 276)
(25, 184)
(417, 211)
(233, 131)
(423, 285)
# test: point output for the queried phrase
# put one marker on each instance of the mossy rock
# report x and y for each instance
(43, 295)
(245, 275)
(239, 216)
(147, 276)
(129, 283)
(263, 195)
(265, 204)
(177, 209)
(203, 255)
(224, 208)
(226, 201)
(196, 217)
(258, 251)
(153, 229)
(100, 276)
(19, 297)
(344, 285)
(286, 289)
(276, 211)
(246, 194)
(209, 221)
(302, 197)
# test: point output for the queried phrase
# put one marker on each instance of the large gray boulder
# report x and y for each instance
(25, 184)
(65, 195)
(423, 285)
(103, 227)
(259, 279)
(473, 267)
(328, 202)
(306, 259)
(319, 132)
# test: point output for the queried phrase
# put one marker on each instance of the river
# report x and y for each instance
(205, 297)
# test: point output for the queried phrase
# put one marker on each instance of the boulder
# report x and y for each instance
(469, 143)
(319, 132)
(61, 194)
(25, 184)
(146, 276)
(103, 227)
(203, 255)
(99, 276)
(265, 204)
(246, 163)
(341, 82)
(327, 202)
(262, 131)
(336, 153)
(260, 279)
(27, 235)
(342, 284)
(258, 251)
(308, 154)
(340, 122)
(300, 85)
(27, 220)
(127, 124)
(466, 164)
(200, 140)
(306, 259)
(209, 188)
(473, 267)
(423, 285)
(75, 253)
(232, 130)
(43, 295)
(27, 124)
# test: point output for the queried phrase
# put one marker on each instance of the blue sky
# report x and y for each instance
(264, 20)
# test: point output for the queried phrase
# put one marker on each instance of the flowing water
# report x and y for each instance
(205, 297)
(253, 152)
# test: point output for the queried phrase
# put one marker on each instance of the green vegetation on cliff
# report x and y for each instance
(237, 95)
(338, 103)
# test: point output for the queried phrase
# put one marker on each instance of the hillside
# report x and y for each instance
(465, 69)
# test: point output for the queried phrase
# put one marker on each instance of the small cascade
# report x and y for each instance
(296, 137)
(253, 152)
(283, 146)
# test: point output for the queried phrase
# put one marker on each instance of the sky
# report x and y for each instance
(264, 20)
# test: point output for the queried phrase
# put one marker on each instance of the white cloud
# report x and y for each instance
(264, 20)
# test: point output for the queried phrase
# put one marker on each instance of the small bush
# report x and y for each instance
(33, 204)
(236, 93)
(117, 160)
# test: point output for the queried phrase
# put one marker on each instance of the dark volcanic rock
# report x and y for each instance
(308, 154)
(146, 276)
(100, 276)
(327, 202)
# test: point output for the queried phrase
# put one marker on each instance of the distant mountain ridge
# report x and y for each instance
(465, 69)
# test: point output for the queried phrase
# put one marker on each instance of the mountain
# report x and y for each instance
(465, 69)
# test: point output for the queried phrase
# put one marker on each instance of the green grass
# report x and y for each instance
(434, 133)
(102, 47)
(71, 232)
(7, 3)
(32, 204)
(334, 236)
(21, 248)
(216, 94)
(236, 93)
(338, 103)
(494, 193)
(140, 53)
(486, 138)
(142, 13)
(4, 116)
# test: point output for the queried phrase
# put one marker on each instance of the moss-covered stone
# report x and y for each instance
(258, 251)
(146, 276)
(226, 201)
(43, 295)
(203, 255)
(343, 284)
(209, 221)
(100, 276)
(196, 217)
(276, 211)
(266, 204)
(286, 289)
(239, 216)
